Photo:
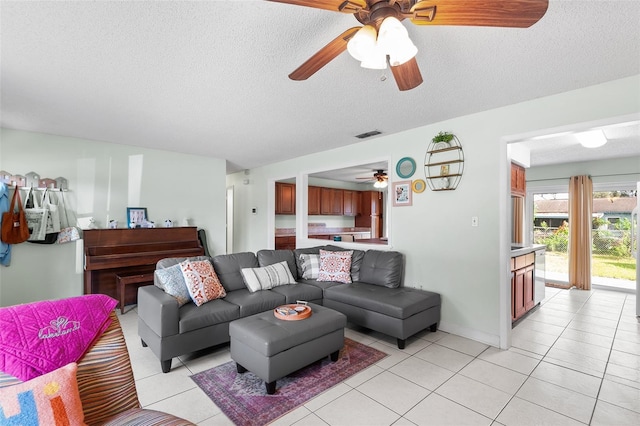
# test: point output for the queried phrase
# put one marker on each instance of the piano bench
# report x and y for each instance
(124, 280)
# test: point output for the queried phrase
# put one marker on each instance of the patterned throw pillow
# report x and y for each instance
(202, 282)
(335, 266)
(310, 266)
(50, 399)
(172, 282)
(267, 277)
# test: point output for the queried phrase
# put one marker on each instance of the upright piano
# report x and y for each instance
(109, 253)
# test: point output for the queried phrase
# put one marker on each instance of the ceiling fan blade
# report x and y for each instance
(323, 56)
(481, 13)
(407, 75)
(348, 6)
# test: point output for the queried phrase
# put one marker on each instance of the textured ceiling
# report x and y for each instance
(210, 77)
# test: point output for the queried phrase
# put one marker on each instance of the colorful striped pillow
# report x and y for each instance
(49, 399)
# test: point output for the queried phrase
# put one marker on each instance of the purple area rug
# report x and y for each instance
(243, 398)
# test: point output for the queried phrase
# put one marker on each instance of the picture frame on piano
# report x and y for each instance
(136, 217)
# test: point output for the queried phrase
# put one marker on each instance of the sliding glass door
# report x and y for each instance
(613, 260)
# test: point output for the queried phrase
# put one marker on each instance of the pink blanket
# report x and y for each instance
(37, 338)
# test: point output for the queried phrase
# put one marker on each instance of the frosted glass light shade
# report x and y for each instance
(393, 40)
(377, 60)
(403, 52)
(363, 43)
(380, 184)
(592, 138)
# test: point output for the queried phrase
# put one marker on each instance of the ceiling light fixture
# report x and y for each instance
(380, 183)
(592, 138)
(392, 39)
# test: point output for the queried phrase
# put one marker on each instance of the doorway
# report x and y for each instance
(612, 259)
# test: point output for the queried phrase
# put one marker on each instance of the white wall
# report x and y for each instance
(601, 171)
(102, 184)
(467, 266)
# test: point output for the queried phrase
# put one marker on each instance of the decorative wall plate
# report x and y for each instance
(406, 167)
(418, 186)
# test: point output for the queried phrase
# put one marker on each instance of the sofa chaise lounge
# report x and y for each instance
(374, 299)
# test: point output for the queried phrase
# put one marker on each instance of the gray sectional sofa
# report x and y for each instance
(375, 300)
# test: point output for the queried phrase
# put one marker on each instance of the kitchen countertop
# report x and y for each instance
(317, 230)
(517, 250)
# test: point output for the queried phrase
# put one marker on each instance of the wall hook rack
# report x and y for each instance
(34, 180)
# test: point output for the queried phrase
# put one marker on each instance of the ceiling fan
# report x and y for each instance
(379, 177)
(384, 40)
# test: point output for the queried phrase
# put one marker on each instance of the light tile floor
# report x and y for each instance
(575, 360)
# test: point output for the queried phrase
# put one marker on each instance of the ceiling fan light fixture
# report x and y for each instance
(377, 60)
(403, 53)
(381, 183)
(592, 138)
(393, 40)
(363, 44)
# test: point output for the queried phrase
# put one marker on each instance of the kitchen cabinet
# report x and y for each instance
(518, 180)
(370, 212)
(522, 280)
(331, 201)
(285, 198)
(314, 200)
(350, 203)
(286, 242)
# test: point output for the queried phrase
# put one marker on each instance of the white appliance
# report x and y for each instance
(539, 277)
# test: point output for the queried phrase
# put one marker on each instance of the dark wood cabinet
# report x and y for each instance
(370, 212)
(518, 295)
(350, 202)
(285, 198)
(518, 180)
(286, 243)
(522, 281)
(528, 288)
(314, 200)
(331, 201)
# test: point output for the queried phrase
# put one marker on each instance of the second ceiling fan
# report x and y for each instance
(384, 40)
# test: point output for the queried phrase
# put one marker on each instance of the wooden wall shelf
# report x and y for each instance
(444, 165)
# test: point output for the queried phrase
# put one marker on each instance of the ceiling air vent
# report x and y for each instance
(368, 134)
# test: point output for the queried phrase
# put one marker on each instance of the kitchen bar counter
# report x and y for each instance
(317, 230)
(517, 250)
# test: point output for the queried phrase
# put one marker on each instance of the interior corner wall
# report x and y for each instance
(443, 252)
(104, 179)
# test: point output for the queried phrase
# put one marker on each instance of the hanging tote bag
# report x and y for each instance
(36, 217)
(52, 220)
(67, 232)
(15, 229)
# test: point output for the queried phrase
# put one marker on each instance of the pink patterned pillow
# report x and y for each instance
(335, 266)
(202, 282)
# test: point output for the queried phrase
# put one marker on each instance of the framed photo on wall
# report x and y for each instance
(402, 193)
(136, 217)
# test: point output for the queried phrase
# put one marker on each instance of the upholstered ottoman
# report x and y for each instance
(272, 348)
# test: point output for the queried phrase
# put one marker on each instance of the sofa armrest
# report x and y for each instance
(158, 310)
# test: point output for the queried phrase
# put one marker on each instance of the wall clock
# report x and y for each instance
(406, 167)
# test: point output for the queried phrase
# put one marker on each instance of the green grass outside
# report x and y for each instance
(623, 268)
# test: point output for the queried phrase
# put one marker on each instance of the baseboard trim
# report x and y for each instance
(470, 333)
